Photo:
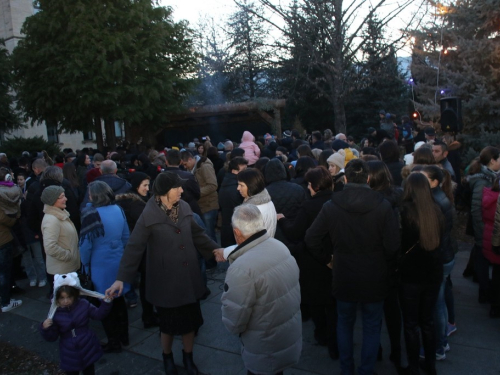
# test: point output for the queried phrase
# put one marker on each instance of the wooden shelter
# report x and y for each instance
(224, 121)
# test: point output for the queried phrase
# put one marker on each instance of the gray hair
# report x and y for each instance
(98, 157)
(40, 164)
(248, 219)
(228, 145)
(339, 135)
(52, 173)
(108, 167)
(101, 194)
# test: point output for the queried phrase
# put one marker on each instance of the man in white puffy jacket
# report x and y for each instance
(261, 299)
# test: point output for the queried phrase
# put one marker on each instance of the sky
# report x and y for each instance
(193, 10)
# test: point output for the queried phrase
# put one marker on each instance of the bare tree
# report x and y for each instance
(328, 36)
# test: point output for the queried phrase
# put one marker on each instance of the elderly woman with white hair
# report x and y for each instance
(103, 237)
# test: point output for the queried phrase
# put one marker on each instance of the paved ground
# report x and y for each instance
(475, 348)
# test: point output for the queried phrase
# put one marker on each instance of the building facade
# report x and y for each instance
(12, 16)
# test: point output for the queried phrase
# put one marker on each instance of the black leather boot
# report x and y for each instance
(168, 364)
(187, 359)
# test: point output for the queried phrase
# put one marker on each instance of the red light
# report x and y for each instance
(415, 114)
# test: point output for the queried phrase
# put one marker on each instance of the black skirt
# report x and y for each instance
(180, 320)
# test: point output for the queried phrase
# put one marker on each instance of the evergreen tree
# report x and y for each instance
(458, 55)
(9, 120)
(377, 82)
(85, 61)
(250, 56)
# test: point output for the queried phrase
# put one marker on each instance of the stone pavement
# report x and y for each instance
(474, 347)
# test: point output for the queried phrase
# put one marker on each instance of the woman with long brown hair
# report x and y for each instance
(420, 268)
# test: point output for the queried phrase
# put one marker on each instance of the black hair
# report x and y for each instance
(236, 162)
(380, 176)
(173, 157)
(69, 290)
(389, 151)
(253, 179)
(356, 171)
(304, 163)
(319, 178)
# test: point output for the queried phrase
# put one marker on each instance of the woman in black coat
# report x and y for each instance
(421, 269)
(315, 277)
(381, 181)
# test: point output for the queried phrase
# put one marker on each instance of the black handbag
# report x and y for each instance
(85, 278)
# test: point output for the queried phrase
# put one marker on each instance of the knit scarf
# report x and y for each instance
(92, 226)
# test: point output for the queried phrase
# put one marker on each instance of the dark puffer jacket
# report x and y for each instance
(79, 347)
(363, 229)
(477, 182)
(315, 277)
(118, 184)
(229, 198)
(287, 197)
(448, 244)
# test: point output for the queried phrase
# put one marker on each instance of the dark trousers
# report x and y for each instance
(417, 305)
(148, 311)
(116, 323)
(251, 373)
(393, 321)
(325, 322)
(450, 300)
(495, 286)
(86, 371)
(481, 267)
(5, 272)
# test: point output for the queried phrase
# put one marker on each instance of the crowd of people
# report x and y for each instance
(313, 227)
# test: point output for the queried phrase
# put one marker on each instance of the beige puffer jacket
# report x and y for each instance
(60, 240)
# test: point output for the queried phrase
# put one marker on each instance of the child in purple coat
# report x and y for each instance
(79, 347)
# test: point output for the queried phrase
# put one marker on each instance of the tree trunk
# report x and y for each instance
(338, 70)
(98, 134)
(109, 125)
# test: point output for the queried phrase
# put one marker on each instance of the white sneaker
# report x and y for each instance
(42, 283)
(12, 305)
(33, 283)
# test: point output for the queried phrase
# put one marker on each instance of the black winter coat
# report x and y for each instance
(395, 169)
(447, 248)
(417, 266)
(315, 277)
(364, 233)
(229, 198)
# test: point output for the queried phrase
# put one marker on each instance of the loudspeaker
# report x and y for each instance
(451, 115)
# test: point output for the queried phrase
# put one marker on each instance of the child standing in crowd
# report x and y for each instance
(79, 347)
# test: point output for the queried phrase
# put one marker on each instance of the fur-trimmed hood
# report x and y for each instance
(262, 198)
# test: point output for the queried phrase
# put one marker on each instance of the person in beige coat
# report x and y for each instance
(60, 238)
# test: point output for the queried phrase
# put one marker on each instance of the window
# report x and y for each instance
(52, 133)
(88, 136)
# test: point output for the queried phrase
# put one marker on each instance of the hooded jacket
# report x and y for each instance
(287, 197)
(80, 348)
(363, 229)
(252, 151)
(229, 198)
(205, 175)
(261, 303)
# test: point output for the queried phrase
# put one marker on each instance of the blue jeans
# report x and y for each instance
(441, 312)
(372, 322)
(33, 262)
(5, 272)
(210, 220)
